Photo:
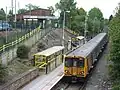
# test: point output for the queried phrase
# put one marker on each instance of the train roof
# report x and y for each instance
(50, 51)
(88, 47)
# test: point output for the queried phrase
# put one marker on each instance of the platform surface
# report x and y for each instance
(46, 82)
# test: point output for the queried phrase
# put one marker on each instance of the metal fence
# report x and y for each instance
(10, 31)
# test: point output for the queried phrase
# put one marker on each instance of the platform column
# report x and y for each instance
(46, 65)
(55, 61)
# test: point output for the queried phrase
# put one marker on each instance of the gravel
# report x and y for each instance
(100, 78)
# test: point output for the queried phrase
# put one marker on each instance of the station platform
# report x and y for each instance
(46, 81)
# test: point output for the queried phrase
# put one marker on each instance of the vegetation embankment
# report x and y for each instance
(114, 36)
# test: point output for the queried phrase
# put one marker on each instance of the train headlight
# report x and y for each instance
(82, 72)
(66, 71)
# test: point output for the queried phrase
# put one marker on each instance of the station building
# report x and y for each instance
(40, 16)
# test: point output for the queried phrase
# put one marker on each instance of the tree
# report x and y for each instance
(95, 12)
(21, 11)
(66, 5)
(2, 14)
(22, 52)
(96, 21)
(31, 7)
(114, 57)
(78, 23)
(3, 73)
(10, 13)
(52, 9)
(111, 17)
(118, 10)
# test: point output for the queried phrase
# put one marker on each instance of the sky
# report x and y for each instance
(106, 6)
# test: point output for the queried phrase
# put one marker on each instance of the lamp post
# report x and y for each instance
(64, 26)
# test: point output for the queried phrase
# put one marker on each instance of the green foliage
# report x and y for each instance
(95, 12)
(114, 34)
(106, 21)
(2, 14)
(75, 20)
(31, 7)
(95, 21)
(20, 11)
(111, 17)
(28, 7)
(118, 10)
(63, 6)
(40, 46)
(52, 9)
(22, 52)
(3, 73)
(66, 5)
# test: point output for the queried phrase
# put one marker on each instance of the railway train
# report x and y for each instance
(79, 63)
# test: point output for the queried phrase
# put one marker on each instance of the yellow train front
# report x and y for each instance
(74, 68)
(79, 62)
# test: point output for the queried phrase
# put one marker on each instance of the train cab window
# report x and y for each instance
(74, 63)
(68, 62)
(80, 62)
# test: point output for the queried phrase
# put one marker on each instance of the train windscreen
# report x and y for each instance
(80, 62)
(75, 61)
(68, 62)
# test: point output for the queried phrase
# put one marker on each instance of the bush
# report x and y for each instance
(22, 52)
(3, 73)
(40, 46)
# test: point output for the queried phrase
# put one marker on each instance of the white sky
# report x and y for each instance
(106, 6)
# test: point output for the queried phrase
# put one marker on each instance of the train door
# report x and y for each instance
(75, 69)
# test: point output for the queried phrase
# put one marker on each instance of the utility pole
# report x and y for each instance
(63, 29)
(15, 20)
(63, 37)
(6, 24)
(12, 6)
(85, 31)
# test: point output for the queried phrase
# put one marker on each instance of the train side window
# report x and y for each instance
(68, 62)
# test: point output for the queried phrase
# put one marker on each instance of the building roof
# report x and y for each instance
(39, 17)
(34, 10)
(50, 51)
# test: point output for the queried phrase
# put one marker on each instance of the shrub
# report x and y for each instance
(22, 52)
(3, 73)
(40, 46)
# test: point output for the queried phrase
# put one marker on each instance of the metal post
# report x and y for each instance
(85, 31)
(63, 29)
(15, 19)
(12, 6)
(6, 24)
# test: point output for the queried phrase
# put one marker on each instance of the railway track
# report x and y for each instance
(69, 86)
(61, 85)
(77, 86)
